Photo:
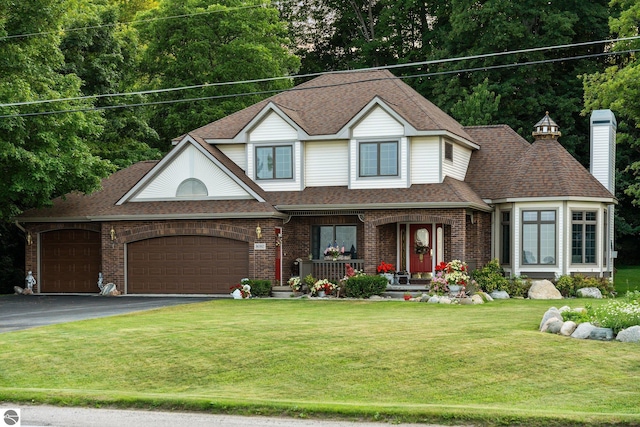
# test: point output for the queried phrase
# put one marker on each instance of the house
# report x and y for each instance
(354, 159)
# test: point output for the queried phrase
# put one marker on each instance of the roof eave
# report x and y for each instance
(376, 206)
(151, 217)
(609, 200)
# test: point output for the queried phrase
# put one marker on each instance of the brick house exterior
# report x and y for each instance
(357, 156)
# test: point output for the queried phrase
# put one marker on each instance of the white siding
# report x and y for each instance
(601, 156)
(236, 152)
(326, 163)
(273, 128)
(378, 124)
(191, 163)
(425, 160)
(458, 168)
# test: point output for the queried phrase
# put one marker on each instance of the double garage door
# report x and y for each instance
(71, 260)
(186, 265)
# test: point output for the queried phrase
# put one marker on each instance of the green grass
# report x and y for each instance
(388, 361)
(627, 278)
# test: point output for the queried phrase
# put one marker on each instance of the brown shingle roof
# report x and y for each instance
(324, 105)
(450, 193)
(507, 166)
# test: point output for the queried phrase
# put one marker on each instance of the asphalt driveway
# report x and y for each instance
(28, 311)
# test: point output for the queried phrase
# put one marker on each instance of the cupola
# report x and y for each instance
(546, 128)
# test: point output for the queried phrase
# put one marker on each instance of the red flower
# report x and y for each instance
(385, 267)
(441, 266)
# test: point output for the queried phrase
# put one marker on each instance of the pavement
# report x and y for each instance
(19, 312)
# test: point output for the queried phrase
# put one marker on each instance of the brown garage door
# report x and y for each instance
(186, 265)
(70, 261)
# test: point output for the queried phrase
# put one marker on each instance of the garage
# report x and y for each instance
(186, 265)
(70, 261)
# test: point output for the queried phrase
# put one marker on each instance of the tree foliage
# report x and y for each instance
(218, 42)
(41, 156)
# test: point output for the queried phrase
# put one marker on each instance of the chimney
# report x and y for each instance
(603, 148)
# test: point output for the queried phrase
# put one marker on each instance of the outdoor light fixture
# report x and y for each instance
(29, 239)
(259, 232)
(113, 234)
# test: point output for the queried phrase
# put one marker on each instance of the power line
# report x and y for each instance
(270, 79)
(266, 92)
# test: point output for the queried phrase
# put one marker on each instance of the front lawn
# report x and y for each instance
(627, 278)
(392, 360)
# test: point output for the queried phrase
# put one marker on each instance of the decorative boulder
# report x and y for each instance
(583, 331)
(552, 313)
(434, 299)
(631, 334)
(568, 327)
(543, 289)
(553, 325)
(601, 334)
(424, 298)
(445, 300)
(589, 293)
(499, 295)
(465, 301)
(477, 299)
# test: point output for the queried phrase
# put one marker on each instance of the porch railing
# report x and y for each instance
(328, 269)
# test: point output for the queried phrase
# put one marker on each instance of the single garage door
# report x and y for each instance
(186, 265)
(70, 261)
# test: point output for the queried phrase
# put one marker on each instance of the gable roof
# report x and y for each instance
(326, 104)
(508, 167)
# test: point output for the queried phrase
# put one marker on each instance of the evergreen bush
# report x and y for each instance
(260, 287)
(364, 286)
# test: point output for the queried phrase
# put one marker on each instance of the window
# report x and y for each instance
(192, 187)
(583, 237)
(274, 162)
(325, 235)
(505, 237)
(448, 151)
(538, 237)
(378, 159)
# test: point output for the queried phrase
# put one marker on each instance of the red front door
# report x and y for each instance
(420, 248)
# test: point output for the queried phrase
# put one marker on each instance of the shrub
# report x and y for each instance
(619, 314)
(569, 285)
(578, 316)
(260, 287)
(606, 287)
(566, 286)
(518, 286)
(364, 286)
(491, 277)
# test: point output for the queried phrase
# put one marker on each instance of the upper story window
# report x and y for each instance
(192, 187)
(583, 237)
(538, 237)
(379, 158)
(274, 162)
(448, 151)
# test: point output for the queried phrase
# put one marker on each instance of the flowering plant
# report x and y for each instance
(456, 273)
(295, 283)
(334, 250)
(323, 285)
(245, 290)
(385, 267)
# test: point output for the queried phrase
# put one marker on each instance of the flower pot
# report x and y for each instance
(454, 289)
(407, 297)
(389, 277)
(321, 294)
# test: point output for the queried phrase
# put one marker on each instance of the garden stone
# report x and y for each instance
(499, 295)
(552, 313)
(553, 325)
(445, 300)
(376, 298)
(543, 289)
(486, 297)
(568, 327)
(601, 334)
(583, 331)
(631, 334)
(564, 308)
(477, 299)
(465, 301)
(424, 298)
(589, 293)
(434, 299)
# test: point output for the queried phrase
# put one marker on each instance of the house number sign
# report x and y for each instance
(259, 246)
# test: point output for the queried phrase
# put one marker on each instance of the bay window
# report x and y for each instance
(583, 237)
(538, 237)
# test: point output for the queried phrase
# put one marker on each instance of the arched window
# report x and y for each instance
(192, 187)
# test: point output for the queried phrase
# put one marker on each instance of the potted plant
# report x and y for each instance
(385, 269)
(407, 296)
(322, 288)
(295, 284)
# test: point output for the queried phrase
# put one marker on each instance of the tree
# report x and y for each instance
(215, 42)
(478, 108)
(44, 155)
(618, 88)
(104, 55)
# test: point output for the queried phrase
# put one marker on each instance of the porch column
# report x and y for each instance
(458, 235)
(370, 251)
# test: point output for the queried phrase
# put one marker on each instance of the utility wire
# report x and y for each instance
(388, 67)
(266, 92)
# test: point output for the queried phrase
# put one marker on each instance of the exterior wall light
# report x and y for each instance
(259, 232)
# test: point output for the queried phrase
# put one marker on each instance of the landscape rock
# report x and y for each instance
(583, 331)
(601, 334)
(434, 299)
(486, 297)
(589, 293)
(552, 313)
(477, 299)
(424, 298)
(631, 334)
(543, 289)
(499, 295)
(553, 325)
(465, 301)
(445, 300)
(568, 327)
